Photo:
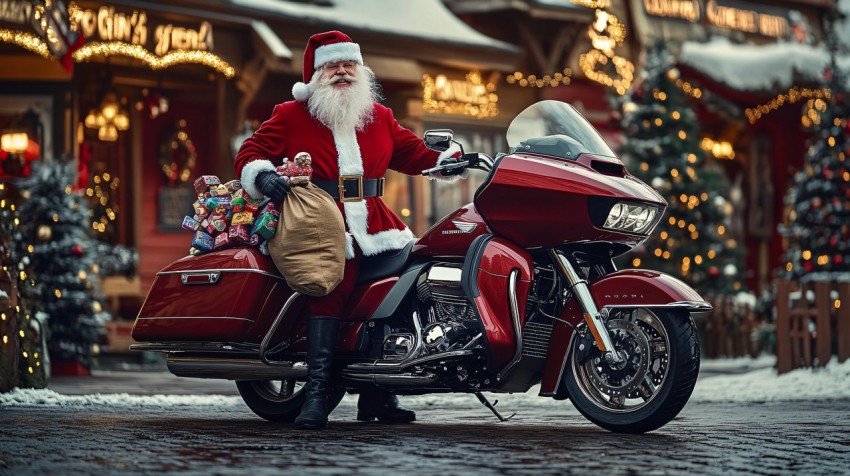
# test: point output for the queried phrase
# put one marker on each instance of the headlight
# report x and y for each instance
(631, 218)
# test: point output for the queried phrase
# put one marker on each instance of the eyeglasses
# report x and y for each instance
(348, 66)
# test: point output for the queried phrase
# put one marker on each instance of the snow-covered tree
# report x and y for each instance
(23, 360)
(816, 231)
(64, 262)
(661, 147)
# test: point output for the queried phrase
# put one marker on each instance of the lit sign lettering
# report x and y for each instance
(725, 14)
(471, 97)
(684, 9)
(107, 24)
(15, 11)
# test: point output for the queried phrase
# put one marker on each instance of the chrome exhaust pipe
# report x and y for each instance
(233, 369)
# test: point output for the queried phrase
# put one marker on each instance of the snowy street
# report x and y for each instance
(742, 419)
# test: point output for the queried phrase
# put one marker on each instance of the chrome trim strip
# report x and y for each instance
(223, 270)
(193, 317)
(268, 337)
(203, 347)
(514, 309)
(697, 306)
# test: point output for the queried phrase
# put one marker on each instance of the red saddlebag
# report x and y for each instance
(232, 295)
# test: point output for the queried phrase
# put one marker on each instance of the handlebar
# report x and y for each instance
(471, 160)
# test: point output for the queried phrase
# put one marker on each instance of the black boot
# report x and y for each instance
(376, 403)
(321, 340)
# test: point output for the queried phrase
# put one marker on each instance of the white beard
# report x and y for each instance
(344, 108)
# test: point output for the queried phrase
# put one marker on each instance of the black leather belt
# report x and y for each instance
(352, 188)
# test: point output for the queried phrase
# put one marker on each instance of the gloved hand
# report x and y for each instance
(450, 172)
(272, 185)
(452, 155)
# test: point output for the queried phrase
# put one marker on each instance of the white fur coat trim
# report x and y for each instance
(350, 162)
(249, 176)
(356, 214)
(336, 52)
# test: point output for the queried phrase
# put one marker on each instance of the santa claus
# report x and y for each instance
(353, 140)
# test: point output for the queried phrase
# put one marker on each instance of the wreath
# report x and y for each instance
(177, 156)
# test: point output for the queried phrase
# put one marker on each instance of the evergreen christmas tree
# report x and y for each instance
(64, 262)
(23, 360)
(661, 147)
(816, 231)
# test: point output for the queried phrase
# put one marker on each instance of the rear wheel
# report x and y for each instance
(660, 363)
(281, 400)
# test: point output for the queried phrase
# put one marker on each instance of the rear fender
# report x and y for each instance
(623, 289)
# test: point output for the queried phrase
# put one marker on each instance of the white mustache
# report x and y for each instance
(345, 77)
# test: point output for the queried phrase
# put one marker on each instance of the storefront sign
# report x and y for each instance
(15, 11)
(683, 9)
(135, 34)
(469, 97)
(108, 24)
(742, 18)
(726, 14)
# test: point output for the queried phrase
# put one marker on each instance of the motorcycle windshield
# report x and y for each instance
(556, 129)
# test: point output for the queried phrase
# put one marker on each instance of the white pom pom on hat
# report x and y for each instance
(324, 48)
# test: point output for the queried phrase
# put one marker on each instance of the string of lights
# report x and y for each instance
(25, 40)
(793, 95)
(138, 52)
(548, 80)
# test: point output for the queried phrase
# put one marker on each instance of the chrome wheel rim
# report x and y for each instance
(278, 391)
(641, 340)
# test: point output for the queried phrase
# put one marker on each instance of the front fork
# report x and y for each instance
(592, 316)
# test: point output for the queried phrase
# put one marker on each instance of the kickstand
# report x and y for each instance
(492, 407)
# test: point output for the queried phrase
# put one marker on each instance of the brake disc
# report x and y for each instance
(621, 378)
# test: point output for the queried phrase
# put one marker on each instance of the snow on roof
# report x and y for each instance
(747, 67)
(426, 19)
(722, 380)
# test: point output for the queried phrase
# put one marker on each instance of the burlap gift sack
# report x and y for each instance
(308, 247)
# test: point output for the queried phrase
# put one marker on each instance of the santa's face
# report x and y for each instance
(343, 95)
(340, 73)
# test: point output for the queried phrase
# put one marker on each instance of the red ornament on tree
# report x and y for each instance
(713, 271)
(77, 250)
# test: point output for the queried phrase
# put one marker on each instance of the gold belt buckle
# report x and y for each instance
(342, 179)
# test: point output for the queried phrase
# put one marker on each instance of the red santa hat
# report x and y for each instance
(325, 48)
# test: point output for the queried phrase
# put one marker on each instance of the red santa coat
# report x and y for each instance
(382, 144)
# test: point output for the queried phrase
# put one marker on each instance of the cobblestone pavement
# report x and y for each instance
(552, 438)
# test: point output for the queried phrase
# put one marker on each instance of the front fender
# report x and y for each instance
(643, 288)
(623, 289)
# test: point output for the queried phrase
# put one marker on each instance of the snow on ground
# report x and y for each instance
(758, 383)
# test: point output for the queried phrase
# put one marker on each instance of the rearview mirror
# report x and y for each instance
(439, 139)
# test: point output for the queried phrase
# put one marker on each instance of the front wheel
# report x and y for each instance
(281, 400)
(653, 382)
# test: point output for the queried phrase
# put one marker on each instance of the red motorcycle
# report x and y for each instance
(515, 289)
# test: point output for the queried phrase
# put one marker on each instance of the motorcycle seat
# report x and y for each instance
(388, 263)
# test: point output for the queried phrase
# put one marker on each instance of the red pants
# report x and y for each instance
(333, 304)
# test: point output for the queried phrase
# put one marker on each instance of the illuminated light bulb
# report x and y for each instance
(636, 262)
(807, 254)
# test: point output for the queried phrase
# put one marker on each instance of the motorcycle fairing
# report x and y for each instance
(485, 279)
(625, 288)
